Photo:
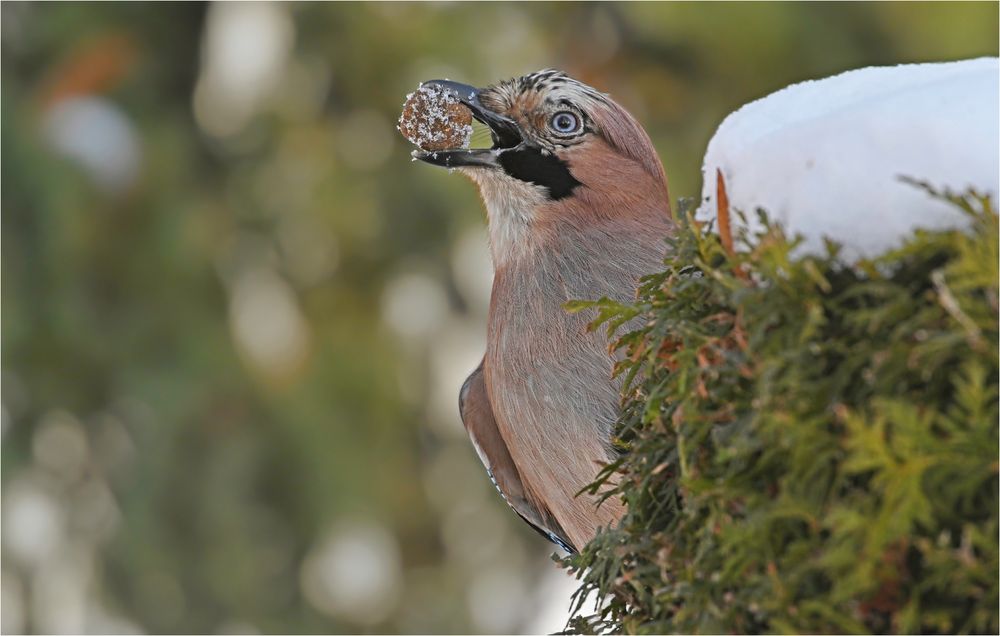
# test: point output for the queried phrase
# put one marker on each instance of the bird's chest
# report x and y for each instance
(548, 376)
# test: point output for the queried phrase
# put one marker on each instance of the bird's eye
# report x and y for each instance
(565, 122)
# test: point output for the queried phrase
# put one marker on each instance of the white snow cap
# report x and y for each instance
(825, 157)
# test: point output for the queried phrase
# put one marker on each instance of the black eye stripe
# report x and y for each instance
(546, 170)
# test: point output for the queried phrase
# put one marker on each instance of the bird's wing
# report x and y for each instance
(477, 416)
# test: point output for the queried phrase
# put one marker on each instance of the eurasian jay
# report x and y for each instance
(577, 206)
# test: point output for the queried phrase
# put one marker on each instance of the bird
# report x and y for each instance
(577, 208)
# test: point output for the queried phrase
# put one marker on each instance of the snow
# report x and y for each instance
(825, 157)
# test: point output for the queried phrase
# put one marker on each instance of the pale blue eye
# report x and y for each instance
(565, 122)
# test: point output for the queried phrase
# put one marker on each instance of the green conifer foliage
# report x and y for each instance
(809, 446)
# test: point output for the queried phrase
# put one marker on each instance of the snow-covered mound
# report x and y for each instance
(825, 157)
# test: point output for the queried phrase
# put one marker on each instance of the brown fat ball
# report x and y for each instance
(434, 119)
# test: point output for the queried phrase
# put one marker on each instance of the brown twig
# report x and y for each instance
(725, 230)
(722, 198)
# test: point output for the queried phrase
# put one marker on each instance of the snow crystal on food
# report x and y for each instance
(434, 119)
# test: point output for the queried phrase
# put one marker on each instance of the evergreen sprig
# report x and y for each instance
(808, 446)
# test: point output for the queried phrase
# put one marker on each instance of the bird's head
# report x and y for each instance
(563, 154)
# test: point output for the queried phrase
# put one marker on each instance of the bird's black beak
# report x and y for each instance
(505, 132)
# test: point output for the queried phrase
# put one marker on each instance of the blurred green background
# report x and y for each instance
(236, 317)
